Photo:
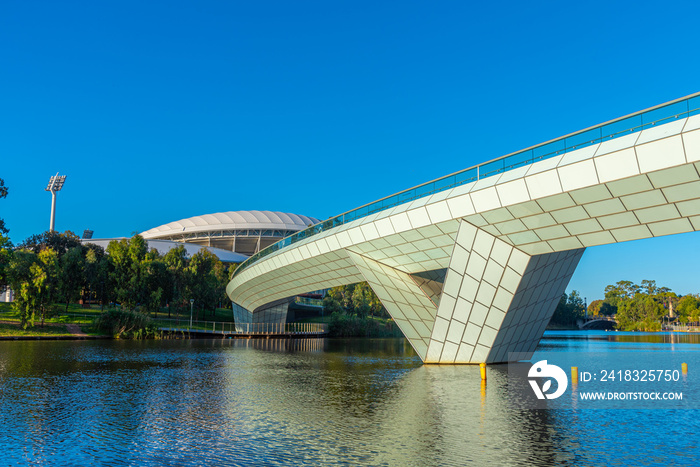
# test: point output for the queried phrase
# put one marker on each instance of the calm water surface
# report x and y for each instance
(312, 402)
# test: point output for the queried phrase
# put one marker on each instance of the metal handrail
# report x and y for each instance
(682, 107)
(228, 327)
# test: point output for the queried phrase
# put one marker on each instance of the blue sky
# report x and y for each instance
(158, 111)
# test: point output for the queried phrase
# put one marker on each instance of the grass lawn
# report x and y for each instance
(84, 316)
(15, 330)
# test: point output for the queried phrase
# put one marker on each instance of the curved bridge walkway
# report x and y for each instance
(471, 266)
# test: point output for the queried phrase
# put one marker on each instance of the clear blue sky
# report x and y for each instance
(161, 110)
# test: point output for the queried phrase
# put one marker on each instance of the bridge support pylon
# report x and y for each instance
(492, 300)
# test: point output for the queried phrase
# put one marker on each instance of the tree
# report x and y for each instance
(688, 308)
(361, 299)
(594, 307)
(156, 280)
(650, 287)
(607, 310)
(614, 294)
(97, 269)
(5, 244)
(569, 309)
(72, 274)
(3, 194)
(176, 262)
(357, 299)
(127, 278)
(333, 301)
(19, 278)
(642, 313)
(222, 275)
(58, 242)
(34, 278)
(202, 280)
(5, 258)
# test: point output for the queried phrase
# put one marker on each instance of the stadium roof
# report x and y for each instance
(232, 220)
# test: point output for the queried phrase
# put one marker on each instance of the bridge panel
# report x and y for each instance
(406, 302)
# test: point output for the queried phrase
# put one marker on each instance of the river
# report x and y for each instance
(318, 402)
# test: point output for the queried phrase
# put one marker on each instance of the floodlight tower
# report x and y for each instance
(55, 184)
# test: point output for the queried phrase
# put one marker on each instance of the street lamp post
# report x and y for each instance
(55, 184)
(191, 308)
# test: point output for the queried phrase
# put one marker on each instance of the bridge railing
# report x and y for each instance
(214, 327)
(681, 327)
(315, 302)
(638, 121)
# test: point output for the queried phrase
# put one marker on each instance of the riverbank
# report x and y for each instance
(12, 330)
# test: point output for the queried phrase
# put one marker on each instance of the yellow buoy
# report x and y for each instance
(482, 367)
(684, 368)
(574, 374)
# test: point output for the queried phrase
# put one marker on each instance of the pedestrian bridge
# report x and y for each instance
(471, 266)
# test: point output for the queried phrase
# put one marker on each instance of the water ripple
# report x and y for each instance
(285, 403)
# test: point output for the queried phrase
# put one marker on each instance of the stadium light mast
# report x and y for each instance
(55, 184)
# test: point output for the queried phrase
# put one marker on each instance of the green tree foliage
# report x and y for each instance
(601, 308)
(569, 309)
(126, 257)
(72, 276)
(332, 302)
(35, 280)
(688, 308)
(156, 280)
(126, 323)
(176, 262)
(3, 194)
(204, 284)
(361, 299)
(97, 272)
(347, 325)
(55, 267)
(5, 244)
(643, 307)
(355, 299)
(643, 312)
(5, 257)
(222, 278)
(142, 279)
(594, 307)
(615, 294)
(58, 242)
(139, 278)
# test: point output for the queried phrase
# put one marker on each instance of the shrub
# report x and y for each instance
(346, 325)
(126, 324)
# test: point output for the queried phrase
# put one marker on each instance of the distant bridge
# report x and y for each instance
(472, 265)
(598, 323)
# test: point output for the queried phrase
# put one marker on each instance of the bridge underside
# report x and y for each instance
(492, 300)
